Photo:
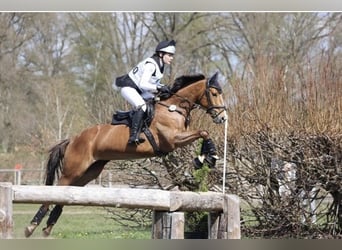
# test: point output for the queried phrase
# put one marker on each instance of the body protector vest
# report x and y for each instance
(136, 73)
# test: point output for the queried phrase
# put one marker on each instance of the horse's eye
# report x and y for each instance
(214, 94)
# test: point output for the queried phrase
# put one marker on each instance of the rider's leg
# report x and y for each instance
(134, 98)
(137, 121)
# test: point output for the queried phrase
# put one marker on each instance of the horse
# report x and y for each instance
(80, 159)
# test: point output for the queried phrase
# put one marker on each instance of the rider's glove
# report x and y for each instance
(164, 89)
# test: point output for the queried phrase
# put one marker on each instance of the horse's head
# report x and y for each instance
(199, 91)
(212, 100)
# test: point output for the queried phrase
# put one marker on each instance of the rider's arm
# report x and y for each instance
(145, 83)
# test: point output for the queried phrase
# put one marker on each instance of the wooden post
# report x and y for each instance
(17, 177)
(177, 225)
(157, 225)
(166, 230)
(222, 227)
(213, 225)
(233, 229)
(229, 220)
(167, 225)
(6, 209)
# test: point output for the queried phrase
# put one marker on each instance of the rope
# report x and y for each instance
(225, 155)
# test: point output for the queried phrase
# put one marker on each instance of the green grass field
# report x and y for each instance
(76, 222)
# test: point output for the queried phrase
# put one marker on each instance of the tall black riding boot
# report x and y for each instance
(137, 121)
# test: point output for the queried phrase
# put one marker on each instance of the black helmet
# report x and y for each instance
(167, 47)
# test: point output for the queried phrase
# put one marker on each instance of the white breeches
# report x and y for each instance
(134, 98)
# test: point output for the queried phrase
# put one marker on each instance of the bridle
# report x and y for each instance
(211, 109)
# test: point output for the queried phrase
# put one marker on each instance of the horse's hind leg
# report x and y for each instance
(53, 217)
(37, 219)
(92, 172)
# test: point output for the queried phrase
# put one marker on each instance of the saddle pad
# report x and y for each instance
(119, 119)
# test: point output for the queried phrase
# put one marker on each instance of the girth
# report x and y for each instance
(125, 118)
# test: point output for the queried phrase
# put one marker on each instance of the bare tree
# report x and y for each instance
(14, 34)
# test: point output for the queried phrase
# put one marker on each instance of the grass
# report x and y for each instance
(76, 222)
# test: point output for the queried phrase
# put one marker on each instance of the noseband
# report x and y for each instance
(210, 109)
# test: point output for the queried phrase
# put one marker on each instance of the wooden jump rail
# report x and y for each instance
(168, 206)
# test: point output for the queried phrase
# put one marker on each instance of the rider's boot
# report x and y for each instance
(137, 121)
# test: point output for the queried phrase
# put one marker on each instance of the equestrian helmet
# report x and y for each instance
(167, 47)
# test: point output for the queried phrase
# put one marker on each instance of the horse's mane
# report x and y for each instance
(186, 80)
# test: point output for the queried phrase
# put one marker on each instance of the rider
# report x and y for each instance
(143, 82)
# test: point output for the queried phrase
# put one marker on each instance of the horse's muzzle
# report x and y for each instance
(220, 117)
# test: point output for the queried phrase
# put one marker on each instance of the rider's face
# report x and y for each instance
(167, 58)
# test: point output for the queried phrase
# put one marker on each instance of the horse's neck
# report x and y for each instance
(191, 93)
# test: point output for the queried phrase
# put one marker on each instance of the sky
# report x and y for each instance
(174, 5)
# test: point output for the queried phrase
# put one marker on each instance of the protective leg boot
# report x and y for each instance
(208, 147)
(137, 121)
(198, 162)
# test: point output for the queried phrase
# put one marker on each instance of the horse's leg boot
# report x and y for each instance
(198, 162)
(135, 130)
(54, 215)
(36, 220)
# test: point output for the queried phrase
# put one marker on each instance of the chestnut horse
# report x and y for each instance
(79, 160)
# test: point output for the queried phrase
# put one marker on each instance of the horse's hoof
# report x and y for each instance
(29, 230)
(47, 231)
(198, 162)
(211, 160)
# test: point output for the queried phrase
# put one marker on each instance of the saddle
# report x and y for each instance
(125, 118)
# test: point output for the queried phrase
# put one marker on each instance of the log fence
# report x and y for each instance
(168, 206)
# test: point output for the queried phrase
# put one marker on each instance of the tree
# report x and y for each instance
(14, 34)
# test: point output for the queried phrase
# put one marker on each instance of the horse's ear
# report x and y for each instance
(213, 82)
(213, 79)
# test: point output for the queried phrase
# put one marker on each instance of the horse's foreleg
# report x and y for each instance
(36, 220)
(207, 155)
(208, 150)
(185, 138)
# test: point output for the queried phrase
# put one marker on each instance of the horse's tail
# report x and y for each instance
(55, 161)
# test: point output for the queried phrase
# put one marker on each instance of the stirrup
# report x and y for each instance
(136, 141)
